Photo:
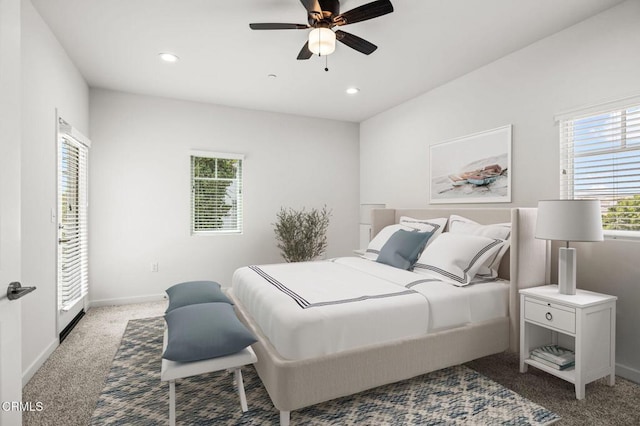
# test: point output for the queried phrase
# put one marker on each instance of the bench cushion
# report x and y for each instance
(193, 292)
(204, 331)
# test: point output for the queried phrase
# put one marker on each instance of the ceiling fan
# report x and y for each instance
(323, 15)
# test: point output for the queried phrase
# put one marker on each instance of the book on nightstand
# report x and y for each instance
(554, 356)
(552, 364)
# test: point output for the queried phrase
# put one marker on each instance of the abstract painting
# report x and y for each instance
(472, 169)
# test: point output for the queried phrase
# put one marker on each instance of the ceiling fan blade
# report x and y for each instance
(355, 42)
(312, 6)
(270, 26)
(305, 53)
(364, 12)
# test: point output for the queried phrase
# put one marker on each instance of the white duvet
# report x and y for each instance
(311, 309)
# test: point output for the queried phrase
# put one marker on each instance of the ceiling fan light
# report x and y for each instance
(322, 41)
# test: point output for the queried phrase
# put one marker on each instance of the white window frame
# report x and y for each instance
(565, 120)
(239, 193)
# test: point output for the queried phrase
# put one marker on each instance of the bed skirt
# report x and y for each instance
(294, 384)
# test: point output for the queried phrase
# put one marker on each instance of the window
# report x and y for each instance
(216, 193)
(600, 159)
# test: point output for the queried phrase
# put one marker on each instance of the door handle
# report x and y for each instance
(16, 291)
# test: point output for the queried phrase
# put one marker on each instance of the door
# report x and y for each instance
(73, 273)
(10, 142)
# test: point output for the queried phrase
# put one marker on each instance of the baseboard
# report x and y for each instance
(127, 300)
(40, 360)
(628, 373)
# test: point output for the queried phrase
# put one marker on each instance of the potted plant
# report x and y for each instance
(301, 234)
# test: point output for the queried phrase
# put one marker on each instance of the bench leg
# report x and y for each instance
(172, 403)
(285, 418)
(240, 384)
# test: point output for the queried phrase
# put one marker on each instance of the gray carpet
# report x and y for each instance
(603, 405)
(70, 382)
(133, 394)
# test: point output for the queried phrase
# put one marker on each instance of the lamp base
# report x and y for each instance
(567, 270)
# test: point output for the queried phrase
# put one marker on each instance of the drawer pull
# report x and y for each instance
(548, 316)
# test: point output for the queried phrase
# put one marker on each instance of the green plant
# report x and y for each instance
(301, 234)
(624, 215)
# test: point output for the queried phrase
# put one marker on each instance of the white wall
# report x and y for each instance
(585, 64)
(49, 81)
(140, 192)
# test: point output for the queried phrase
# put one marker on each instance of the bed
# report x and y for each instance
(405, 344)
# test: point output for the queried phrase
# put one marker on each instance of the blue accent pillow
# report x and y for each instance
(192, 292)
(204, 331)
(403, 248)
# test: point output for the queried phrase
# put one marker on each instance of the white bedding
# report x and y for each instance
(312, 309)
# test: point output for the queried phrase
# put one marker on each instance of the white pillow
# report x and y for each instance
(425, 225)
(456, 258)
(501, 231)
(463, 225)
(408, 224)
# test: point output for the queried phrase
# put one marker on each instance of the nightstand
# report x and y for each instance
(584, 322)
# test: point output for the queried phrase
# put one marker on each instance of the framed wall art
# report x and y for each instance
(472, 169)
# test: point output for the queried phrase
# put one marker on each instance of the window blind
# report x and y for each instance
(600, 159)
(73, 264)
(216, 193)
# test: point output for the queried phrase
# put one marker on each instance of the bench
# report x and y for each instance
(172, 370)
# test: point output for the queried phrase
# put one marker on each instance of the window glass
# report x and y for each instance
(216, 194)
(601, 160)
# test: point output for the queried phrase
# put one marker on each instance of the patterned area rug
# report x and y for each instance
(134, 395)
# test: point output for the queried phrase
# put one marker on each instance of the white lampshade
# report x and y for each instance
(569, 220)
(365, 222)
(322, 41)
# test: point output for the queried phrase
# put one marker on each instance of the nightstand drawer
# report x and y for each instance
(550, 314)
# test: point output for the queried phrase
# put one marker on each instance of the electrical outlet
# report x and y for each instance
(154, 267)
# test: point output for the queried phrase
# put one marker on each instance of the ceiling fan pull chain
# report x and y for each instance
(326, 63)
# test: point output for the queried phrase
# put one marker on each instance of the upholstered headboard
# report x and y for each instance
(525, 263)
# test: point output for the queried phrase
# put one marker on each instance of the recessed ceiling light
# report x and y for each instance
(352, 90)
(168, 57)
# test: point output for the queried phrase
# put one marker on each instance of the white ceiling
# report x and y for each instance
(421, 45)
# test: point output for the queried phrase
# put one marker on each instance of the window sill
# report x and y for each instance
(214, 233)
(622, 235)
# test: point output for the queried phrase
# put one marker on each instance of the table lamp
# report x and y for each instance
(365, 222)
(568, 220)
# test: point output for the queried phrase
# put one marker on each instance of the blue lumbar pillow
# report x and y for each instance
(204, 331)
(403, 248)
(192, 292)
